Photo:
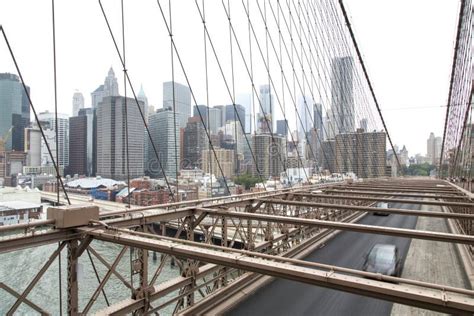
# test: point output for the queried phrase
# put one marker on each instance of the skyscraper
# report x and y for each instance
(141, 96)
(230, 114)
(282, 128)
(433, 150)
(269, 154)
(15, 111)
(305, 113)
(225, 159)
(83, 143)
(77, 103)
(342, 95)
(265, 108)
(218, 116)
(48, 122)
(364, 124)
(33, 147)
(318, 117)
(246, 101)
(108, 89)
(194, 142)
(111, 142)
(163, 132)
(361, 153)
(182, 101)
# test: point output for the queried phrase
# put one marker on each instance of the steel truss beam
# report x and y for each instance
(398, 189)
(400, 232)
(35, 280)
(35, 239)
(410, 295)
(373, 209)
(414, 195)
(386, 199)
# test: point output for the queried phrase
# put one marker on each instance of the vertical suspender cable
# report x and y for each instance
(207, 94)
(150, 138)
(174, 101)
(57, 148)
(126, 106)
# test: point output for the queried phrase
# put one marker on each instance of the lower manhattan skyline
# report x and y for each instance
(253, 157)
(80, 68)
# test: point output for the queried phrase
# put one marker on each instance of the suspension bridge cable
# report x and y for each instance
(53, 18)
(176, 158)
(25, 89)
(136, 101)
(192, 93)
(126, 105)
(349, 27)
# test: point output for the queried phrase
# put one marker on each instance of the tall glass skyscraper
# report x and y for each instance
(182, 101)
(48, 122)
(163, 133)
(343, 110)
(15, 111)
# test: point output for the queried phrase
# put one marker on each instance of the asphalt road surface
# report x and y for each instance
(347, 249)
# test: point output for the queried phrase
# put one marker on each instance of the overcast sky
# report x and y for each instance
(407, 47)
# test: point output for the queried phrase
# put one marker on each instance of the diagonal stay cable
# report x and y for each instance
(55, 163)
(249, 73)
(136, 102)
(191, 91)
(359, 55)
(228, 88)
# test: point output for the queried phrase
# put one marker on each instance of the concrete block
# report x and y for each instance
(73, 215)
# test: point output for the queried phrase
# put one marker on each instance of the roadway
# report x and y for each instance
(347, 249)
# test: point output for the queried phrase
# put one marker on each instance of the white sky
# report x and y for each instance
(407, 47)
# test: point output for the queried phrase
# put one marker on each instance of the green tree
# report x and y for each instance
(418, 169)
(247, 180)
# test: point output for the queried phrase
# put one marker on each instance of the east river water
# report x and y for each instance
(18, 268)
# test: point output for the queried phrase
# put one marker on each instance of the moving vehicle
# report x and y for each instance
(382, 205)
(383, 259)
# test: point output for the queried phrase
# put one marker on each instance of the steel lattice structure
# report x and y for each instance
(240, 239)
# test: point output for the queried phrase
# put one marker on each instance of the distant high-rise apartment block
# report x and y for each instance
(361, 153)
(328, 155)
(330, 127)
(364, 124)
(50, 139)
(194, 142)
(282, 127)
(305, 118)
(433, 149)
(403, 156)
(265, 109)
(15, 111)
(33, 146)
(270, 154)
(246, 100)
(218, 116)
(112, 141)
(318, 117)
(48, 122)
(342, 98)
(83, 143)
(141, 96)
(108, 89)
(77, 103)
(166, 137)
(231, 115)
(225, 160)
(178, 99)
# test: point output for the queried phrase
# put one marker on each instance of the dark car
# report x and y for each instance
(383, 259)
